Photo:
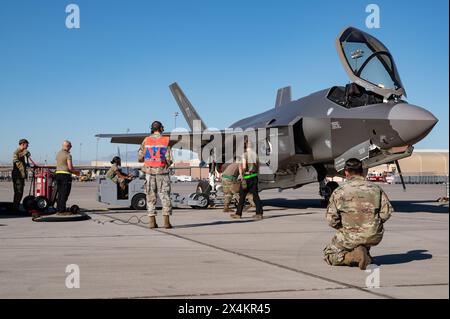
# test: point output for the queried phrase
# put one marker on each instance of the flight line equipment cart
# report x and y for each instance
(43, 191)
(134, 196)
(42, 194)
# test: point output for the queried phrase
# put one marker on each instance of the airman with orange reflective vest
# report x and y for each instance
(156, 154)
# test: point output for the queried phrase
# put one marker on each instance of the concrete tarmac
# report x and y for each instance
(209, 255)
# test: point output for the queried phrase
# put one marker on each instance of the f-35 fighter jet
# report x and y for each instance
(366, 119)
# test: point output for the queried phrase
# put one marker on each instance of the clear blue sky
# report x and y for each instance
(228, 56)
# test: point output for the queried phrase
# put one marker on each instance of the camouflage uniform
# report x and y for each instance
(357, 209)
(250, 185)
(19, 174)
(230, 184)
(112, 175)
(157, 180)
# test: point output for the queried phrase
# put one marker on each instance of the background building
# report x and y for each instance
(422, 167)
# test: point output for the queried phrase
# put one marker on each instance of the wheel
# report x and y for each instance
(202, 201)
(29, 202)
(203, 187)
(41, 203)
(191, 196)
(332, 186)
(139, 202)
(75, 209)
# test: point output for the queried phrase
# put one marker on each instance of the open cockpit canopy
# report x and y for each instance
(369, 63)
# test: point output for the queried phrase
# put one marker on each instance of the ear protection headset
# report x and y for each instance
(157, 126)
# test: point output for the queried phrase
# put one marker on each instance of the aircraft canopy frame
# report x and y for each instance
(369, 63)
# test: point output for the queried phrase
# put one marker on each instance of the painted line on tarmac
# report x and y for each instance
(265, 261)
(419, 285)
(217, 294)
(212, 294)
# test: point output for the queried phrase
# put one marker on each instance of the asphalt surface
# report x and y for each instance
(209, 255)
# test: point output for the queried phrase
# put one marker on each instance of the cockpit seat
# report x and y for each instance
(355, 95)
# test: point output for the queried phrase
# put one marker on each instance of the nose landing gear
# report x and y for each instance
(326, 189)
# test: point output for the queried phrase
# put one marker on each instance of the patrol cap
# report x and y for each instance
(353, 165)
(23, 141)
(115, 160)
(157, 126)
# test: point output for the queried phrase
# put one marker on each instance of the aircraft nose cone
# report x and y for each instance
(412, 123)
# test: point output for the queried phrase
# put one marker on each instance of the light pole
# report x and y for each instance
(96, 159)
(96, 153)
(175, 118)
(126, 152)
(81, 144)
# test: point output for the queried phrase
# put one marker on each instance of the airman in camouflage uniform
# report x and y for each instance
(157, 180)
(357, 209)
(19, 172)
(116, 176)
(231, 185)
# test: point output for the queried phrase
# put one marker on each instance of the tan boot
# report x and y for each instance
(152, 223)
(357, 256)
(167, 224)
(350, 259)
(227, 209)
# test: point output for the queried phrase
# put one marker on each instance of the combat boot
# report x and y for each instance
(152, 223)
(167, 224)
(357, 256)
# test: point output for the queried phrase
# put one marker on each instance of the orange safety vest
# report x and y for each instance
(155, 149)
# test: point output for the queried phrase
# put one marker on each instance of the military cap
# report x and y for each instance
(353, 165)
(23, 141)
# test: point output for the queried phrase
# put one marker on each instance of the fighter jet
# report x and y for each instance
(368, 119)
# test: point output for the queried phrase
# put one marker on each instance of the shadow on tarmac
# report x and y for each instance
(243, 220)
(6, 212)
(419, 207)
(294, 203)
(220, 222)
(394, 259)
(399, 206)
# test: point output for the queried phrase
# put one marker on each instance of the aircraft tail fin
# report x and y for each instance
(284, 96)
(188, 110)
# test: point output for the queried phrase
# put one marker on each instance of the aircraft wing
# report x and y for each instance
(186, 140)
(136, 138)
(198, 136)
(193, 141)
